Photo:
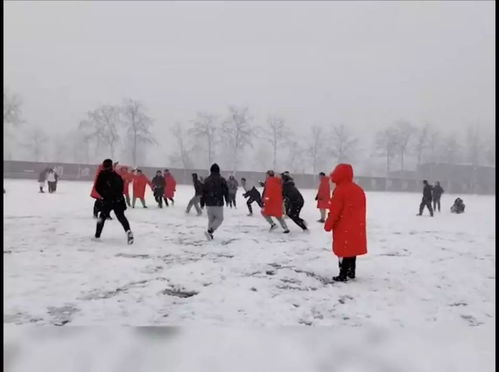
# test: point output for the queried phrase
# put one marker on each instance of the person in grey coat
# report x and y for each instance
(232, 184)
(215, 190)
(198, 191)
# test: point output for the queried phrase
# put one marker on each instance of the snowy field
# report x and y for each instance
(419, 273)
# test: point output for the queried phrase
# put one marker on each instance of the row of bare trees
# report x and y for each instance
(234, 137)
(103, 128)
(231, 136)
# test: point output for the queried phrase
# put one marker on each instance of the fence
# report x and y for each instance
(86, 172)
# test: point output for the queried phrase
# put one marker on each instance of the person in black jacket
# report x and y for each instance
(198, 191)
(158, 186)
(293, 200)
(427, 191)
(437, 193)
(109, 185)
(252, 193)
(215, 190)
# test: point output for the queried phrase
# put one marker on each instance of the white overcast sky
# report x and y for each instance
(361, 63)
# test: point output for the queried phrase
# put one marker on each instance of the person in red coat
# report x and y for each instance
(347, 220)
(94, 194)
(272, 201)
(127, 179)
(140, 181)
(323, 196)
(170, 186)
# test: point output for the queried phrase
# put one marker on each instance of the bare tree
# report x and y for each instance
(434, 145)
(277, 134)
(421, 142)
(205, 128)
(237, 131)
(343, 143)
(450, 149)
(11, 109)
(137, 124)
(387, 145)
(316, 147)
(405, 132)
(474, 144)
(182, 154)
(104, 122)
(295, 158)
(35, 142)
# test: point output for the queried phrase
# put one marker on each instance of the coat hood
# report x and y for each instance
(342, 173)
(215, 168)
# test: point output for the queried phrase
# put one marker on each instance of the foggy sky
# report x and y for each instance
(364, 64)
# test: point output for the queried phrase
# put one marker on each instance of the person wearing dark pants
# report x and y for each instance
(158, 186)
(252, 193)
(215, 190)
(293, 200)
(109, 185)
(232, 185)
(426, 201)
(437, 194)
(347, 221)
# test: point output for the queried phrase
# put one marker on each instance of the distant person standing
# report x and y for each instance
(215, 190)
(109, 185)
(233, 185)
(426, 201)
(51, 180)
(127, 179)
(198, 192)
(139, 188)
(437, 194)
(170, 186)
(158, 186)
(252, 193)
(273, 201)
(323, 196)
(42, 177)
(347, 221)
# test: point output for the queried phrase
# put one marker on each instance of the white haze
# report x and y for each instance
(362, 64)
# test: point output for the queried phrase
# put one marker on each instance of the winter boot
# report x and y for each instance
(342, 277)
(286, 231)
(321, 221)
(209, 234)
(129, 236)
(273, 227)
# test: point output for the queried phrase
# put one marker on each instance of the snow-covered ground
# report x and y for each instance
(419, 273)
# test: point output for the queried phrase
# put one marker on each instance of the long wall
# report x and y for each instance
(86, 172)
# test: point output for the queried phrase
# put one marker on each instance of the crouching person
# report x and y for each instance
(458, 206)
(347, 221)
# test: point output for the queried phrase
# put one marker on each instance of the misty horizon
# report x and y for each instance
(365, 65)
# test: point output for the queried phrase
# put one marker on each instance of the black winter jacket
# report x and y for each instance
(437, 191)
(215, 190)
(158, 182)
(291, 193)
(427, 191)
(109, 185)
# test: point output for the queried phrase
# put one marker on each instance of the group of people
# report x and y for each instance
(432, 195)
(163, 186)
(50, 176)
(280, 197)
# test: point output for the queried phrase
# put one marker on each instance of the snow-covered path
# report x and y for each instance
(419, 270)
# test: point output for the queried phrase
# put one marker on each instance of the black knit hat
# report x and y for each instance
(107, 164)
(215, 168)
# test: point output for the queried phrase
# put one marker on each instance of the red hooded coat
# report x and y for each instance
(323, 194)
(170, 186)
(94, 194)
(272, 197)
(127, 178)
(347, 216)
(139, 185)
